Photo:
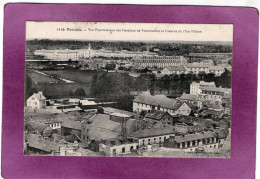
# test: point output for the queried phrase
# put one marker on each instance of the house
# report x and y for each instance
(147, 102)
(150, 136)
(70, 127)
(38, 145)
(39, 128)
(119, 147)
(191, 142)
(36, 101)
(159, 116)
(174, 70)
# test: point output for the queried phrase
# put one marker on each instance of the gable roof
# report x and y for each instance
(156, 100)
(35, 141)
(71, 124)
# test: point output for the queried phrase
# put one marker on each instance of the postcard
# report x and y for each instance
(128, 89)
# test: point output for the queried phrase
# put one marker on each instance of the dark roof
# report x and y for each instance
(36, 141)
(38, 126)
(71, 124)
(153, 132)
(157, 115)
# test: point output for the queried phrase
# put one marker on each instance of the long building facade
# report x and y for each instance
(160, 61)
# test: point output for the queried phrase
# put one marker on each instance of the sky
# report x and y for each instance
(106, 31)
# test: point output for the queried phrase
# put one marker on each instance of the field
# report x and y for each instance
(38, 78)
(54, 88)
(75, 75)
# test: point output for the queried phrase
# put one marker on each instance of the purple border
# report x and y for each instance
(242, 162)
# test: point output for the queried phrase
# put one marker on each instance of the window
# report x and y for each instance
(132, 147)
(143, 142)
(154, 140)
(149, 141)
(123, 150)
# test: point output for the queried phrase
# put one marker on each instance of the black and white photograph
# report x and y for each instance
(114, 89)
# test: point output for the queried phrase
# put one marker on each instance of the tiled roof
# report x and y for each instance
(153, 132)
(35, 141)
(192, 137)
(71, 124)
(157, 100)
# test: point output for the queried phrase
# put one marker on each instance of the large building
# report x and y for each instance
(75, 55)
(160, 61)
(195, 88)
(147, 102)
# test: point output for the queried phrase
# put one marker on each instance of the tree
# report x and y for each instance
(201, 75)
(100, 110)
(80, 92)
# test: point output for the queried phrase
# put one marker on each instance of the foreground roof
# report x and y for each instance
(35, 141)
